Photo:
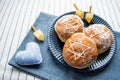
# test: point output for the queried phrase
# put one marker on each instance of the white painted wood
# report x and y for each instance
(32, 15)
(62, 6)
(17, 16)
(3, 16)
(56, 7)
(17, 26)
(106, 13)
(51, 6)
(30, 77)
(22, 76)
(14, 74)
(7, 45)
(37, 78)
(112, 14)
(95, 7)
(117, 15)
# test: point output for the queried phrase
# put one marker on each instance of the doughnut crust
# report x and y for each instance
(67, 25)
(79, 51)
(102, 36)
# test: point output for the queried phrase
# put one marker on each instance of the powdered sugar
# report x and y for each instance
(81, 52)
(71, 24)
(100, 32)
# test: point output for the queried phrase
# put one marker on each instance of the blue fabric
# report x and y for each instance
(30, 56)
(52, 69)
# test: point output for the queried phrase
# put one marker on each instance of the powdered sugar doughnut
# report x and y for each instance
(67, 25)
(102, 36)
(79, 51)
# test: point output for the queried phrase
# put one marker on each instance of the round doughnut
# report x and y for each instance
(67, 25)
(102, 36)
(79, 51)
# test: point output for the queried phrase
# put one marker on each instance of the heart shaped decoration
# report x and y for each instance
(30, 56)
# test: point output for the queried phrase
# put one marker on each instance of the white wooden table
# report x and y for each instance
(17, 16)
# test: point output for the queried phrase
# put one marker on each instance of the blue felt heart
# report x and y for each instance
(30, 56)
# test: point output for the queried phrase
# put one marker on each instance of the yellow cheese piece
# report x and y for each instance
(89, 17)
(38, 34)
(80, 13)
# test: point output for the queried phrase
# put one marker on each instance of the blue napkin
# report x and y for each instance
(51, 69)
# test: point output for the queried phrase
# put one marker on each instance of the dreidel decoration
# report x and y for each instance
(89, 15)
(38, 34)
(80, 12)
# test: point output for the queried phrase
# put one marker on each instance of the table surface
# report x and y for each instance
(17, 16)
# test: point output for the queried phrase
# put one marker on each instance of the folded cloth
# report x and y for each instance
(51, 69)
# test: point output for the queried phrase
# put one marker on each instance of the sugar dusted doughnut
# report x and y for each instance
(102, 36)
(67, 25)
(79, 51)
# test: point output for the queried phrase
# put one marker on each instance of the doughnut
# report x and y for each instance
(102, 36)
(79, 51)
(67, 25)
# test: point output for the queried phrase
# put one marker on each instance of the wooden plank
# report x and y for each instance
(7, 45)
(32, 17)
(14, 46)
(4, 50)
(71, 5)
(117, 15)
(101, 11)
(37, 78)
(25, 24)
(46, 5)
(31, 21)
(57, 7)
(22, 76)
(2, 4)
(68, 6)
(95, 7)
(30, 77)
(37, 10)
(84, 6)
(62, 6)
(51, 7)
(29, 18)
(106, 13)
(41, 6)
(5, 29)
(3, 16)
(112, 15)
